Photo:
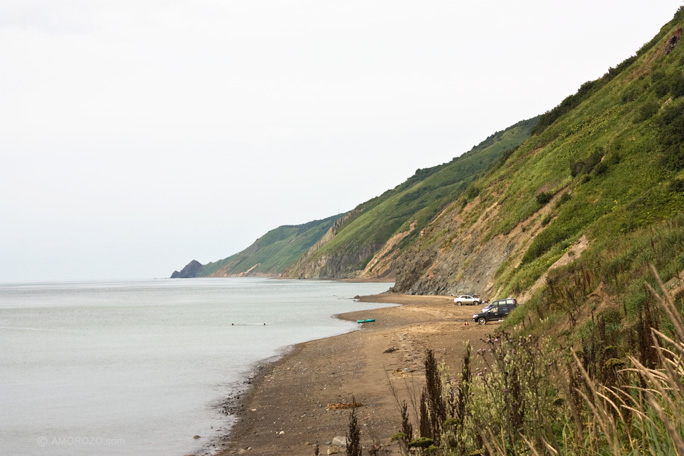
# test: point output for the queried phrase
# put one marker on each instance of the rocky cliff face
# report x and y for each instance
(192, 269)
(461, 262)
(368, 242)
(348, 263)
(384, 261)
(339, 265)
(605, 163)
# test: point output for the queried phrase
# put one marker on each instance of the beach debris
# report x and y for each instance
(340, 441)
(403, 373)
(391, 350)
(367, 320)
(343, 405)
(197, 437)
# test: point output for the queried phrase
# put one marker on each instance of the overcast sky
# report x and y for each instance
(138, 135)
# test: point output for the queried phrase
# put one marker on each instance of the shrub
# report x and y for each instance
(647, 110)
(628, 96)
(567, 105)
(552, 236)
(585, 166)
(601, 168)
(564, 198)
(661, 88)
(670, 128)
(676, 185)
(613, 159)
(472, 192)
(544, 197)
(677, 85)
(657, 76)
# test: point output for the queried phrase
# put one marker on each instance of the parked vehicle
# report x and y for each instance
(469, 300)
(497, 310)
(499, 301)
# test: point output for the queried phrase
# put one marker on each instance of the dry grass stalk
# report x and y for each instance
(638, 410)
(599, 409)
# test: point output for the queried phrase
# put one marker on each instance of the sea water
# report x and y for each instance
(143, 367)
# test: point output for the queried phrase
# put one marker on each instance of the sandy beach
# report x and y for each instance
(297, 401)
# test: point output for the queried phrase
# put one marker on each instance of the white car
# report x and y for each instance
(469, 300)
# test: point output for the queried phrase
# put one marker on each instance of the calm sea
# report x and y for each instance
(142, 367)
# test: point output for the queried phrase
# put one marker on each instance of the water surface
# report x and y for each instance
(141, 367)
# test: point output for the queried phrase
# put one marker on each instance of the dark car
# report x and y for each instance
(496, 310)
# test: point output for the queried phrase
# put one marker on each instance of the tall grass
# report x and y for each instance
(530, 396)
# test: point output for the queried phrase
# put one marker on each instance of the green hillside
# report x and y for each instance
(611, 169)
(365, 230)
(579, 214)
(584, 223)
(410, 206)
(606, 163)
(271, 254)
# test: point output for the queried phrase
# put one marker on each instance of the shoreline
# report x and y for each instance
(291, 404)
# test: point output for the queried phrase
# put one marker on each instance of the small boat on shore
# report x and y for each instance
(370, 320)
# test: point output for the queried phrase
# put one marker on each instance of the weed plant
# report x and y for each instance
(533, 397)
(353, 434)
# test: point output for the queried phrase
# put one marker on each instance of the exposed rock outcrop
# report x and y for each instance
(673, 41)
(383, 263)
(460, 257)
(339, 265)
(190, 270)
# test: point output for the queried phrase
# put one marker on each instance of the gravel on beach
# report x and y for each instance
(304, 399)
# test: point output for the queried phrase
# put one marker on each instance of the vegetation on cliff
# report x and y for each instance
(564, 210)
(607, 167)
(362, 233)
(593, 361)
(404, 211)
(527, 394)
(580, 212)
(270, 255)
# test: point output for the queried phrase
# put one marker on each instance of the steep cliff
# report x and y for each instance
(192, 269)
(603, 168)
(270, 255)
(565, 206)
(368, 241)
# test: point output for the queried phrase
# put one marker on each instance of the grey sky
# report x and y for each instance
(138, 135)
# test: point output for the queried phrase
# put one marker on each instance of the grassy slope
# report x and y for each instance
(421, 197)
(614, 162)
(617, 151)
(274, 252)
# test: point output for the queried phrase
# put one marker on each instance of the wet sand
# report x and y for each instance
(293, 403)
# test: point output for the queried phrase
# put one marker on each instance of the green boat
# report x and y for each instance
(370, 320)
